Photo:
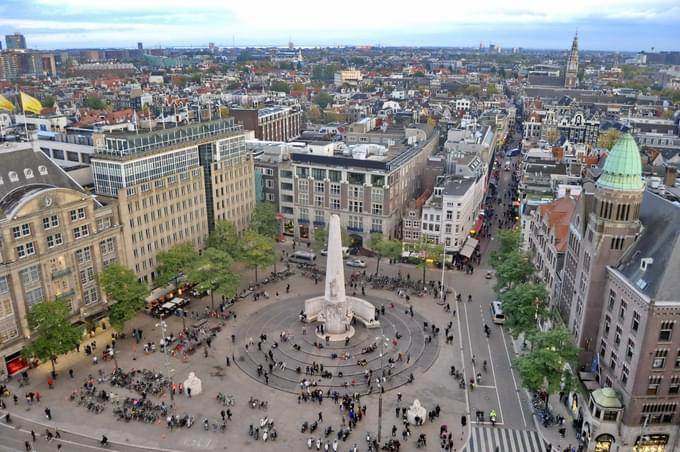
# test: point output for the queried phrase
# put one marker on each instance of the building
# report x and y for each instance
(347, 76)
(547, 237)
(571, 72)
(15, 41)
(55, 238)
(171, 185)
(276, 123)
(638, 343)
(605, 223)
(368, 186)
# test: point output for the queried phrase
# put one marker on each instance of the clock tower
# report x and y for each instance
(571, 73)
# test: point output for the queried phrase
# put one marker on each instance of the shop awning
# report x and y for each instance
(477, 226)
(469, 247)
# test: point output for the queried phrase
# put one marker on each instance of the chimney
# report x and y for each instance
(670, 176)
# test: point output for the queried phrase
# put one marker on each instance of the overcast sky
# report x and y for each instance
(603, 24)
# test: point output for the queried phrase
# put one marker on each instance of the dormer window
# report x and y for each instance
(42, 169)
(28, 173)
(13, 176)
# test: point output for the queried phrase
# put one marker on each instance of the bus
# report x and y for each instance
(497, 313)
(302, 257)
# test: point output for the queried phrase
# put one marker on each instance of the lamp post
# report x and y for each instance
(163, 326)
(384, 342)
(443, 288)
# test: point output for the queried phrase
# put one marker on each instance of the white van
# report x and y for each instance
(497, 313)
(302, 257)
(345, 252)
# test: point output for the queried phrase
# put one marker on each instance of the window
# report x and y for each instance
(613, 361)
(318, 201)
(666, 331)
(659, 360)
(677, 360)
(635, 323)
(607, 324)
(84, 255)
(87, 275)
(376, 225)
(612, 300)
(447, 228)
(81, 231)
(617, 335)
(377, 209)
(104, 223)
(319, 216)
(302, 172)
(356, 192)
(269, 197)
(335, 203)
(25, 250)
(77, 214)
(21, 231)
(653, 384)
(609, 415)
(30, 276)
(356, 223)
(377, 195)
(356, 206)
(303, 185)
(58, 154)
(335, 189)
(54, 240)
(624, 374)
(335, 176)
(90, 296)
(50, 222)
(304, 214)
(303, 199)
(269, 183)
(34, 297)
(72, 156)
(674, 387)
(622, 310)
(107, 246)
(4, 285)
(630, 349)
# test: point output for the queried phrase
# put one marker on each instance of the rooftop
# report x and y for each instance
(623, 167)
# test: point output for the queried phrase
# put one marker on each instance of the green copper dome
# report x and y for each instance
(623, 168)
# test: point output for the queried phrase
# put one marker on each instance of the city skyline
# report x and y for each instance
(603, 24)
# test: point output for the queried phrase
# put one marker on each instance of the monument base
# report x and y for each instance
(337, 337)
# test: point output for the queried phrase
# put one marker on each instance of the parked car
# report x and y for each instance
(359, 263)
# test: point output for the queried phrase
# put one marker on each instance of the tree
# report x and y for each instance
(321, 238)
(264, 220)
(608, 139)
(544, 367)
(514, 268)
(53, 332)
(428, 253)
(257, 250)
(225, 238)
(48, 101)
(323, 99)
(94, 103)
(313, 114)
(174, 261)
(212, 272)
(127, 296)
(508, 241)
(524, 305)
(390, 249)
(280, 86)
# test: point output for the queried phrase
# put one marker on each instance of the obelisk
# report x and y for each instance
(337, 309)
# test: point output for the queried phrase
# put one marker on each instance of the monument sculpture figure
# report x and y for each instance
(335, 309)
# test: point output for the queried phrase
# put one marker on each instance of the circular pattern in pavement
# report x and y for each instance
(352, 367)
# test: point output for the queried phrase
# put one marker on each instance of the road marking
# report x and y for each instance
(493, 371)
(57, 441)
(462, 361)
(514, 381)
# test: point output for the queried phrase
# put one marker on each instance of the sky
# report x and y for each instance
(627, 25)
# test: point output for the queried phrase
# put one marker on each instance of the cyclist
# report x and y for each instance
(492, 416)
(104, 441)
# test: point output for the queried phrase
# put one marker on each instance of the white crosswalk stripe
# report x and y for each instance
(487, 439)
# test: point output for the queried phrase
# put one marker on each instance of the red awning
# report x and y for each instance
(478, 225)
(17, 365)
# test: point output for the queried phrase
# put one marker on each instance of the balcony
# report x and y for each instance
(60, 273)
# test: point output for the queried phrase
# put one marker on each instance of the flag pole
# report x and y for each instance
(25, 123)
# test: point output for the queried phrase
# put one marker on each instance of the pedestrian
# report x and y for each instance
(48, 414)
(396, 412)
(27, 446)
(189, 392)
(70, 373)
(57, 434)
(320, 416)
(33, 435)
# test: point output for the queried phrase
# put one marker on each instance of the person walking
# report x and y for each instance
(33, 435)
(48, 414)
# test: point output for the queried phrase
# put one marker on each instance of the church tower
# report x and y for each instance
(571, 73)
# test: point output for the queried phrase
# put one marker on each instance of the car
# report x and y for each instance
(359, 263)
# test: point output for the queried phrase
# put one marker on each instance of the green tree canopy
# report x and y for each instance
(544, 367)
(323, 99)
(383, 247)
(514, 268)
(258, 250)
(523, 306)
(320, 241)
(48, 101)
(280, 86)
(94, 103)
(508, 240)
(225, 238)
(213, 272)
(264, 220)
(54, 334)
(428, 253)
(174, 261)
(126, 295)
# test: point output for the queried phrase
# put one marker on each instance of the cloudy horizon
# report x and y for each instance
(631, 25)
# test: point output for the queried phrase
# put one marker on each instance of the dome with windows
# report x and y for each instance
(623, 167)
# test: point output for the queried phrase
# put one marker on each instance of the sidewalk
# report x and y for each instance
(551, 434)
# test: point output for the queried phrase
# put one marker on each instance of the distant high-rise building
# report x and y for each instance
(571, 73)
(140, 46)
(15, 41)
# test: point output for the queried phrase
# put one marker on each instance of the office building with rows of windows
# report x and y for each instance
(171, 185)
(55, 238)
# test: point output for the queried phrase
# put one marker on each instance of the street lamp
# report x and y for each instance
(443, 289)
(385, 341)
(163, 326)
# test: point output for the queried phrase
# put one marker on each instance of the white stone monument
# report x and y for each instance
(194, 383)
(335, 309)
(416, 410)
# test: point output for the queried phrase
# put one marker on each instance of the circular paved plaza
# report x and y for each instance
(276, 348)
